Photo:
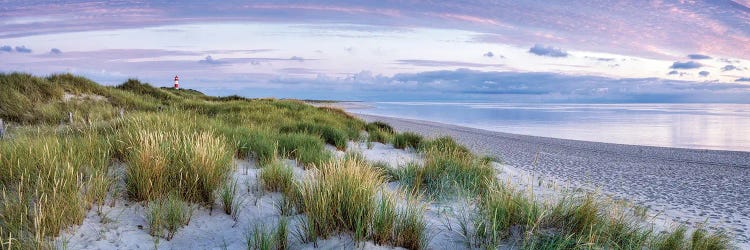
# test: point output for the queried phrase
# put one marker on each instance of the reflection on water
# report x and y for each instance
(704, 126)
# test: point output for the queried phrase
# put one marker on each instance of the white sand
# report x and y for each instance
(118, 226)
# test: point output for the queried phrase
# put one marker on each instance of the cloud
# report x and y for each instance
(743, 79)
(673, 72)
(466, 84)
(698, 57)
(6, 48)
(704, 73)
(22, 49)
(437, 63)
(297, 58)
(686, 65)
(55, 51)
(210, 60)
(489, 54)
(728, 68)
(550, 51)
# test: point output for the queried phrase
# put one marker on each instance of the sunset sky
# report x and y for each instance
(516, 51)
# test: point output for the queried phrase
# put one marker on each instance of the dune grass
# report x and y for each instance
(177, 142)
(261, 238)
(166, 215)
(348, 196)
(407, 140)
(277, 176)
(194, 165)
(176, 147)
(448, 169)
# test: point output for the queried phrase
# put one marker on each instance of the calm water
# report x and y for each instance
(703, 126)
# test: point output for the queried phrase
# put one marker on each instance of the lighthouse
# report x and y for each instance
(176, 82)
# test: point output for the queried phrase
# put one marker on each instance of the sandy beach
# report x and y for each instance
(676, 185)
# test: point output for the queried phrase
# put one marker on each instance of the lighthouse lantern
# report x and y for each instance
(176, 82)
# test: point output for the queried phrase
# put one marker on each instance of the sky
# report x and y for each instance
(512, 51)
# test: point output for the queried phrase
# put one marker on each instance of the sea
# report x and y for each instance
(695, 126)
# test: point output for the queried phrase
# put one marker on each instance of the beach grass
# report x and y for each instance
(407, 140)
(166, 215)
(277, 176)
(174, 149)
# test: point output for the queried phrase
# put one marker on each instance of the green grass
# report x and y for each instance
(165, 216)
(199, 162)
(177, 148)
(51, 174)
(261, 238)
(407, 140)
(448, 169)
(277, 177)
(330, 134)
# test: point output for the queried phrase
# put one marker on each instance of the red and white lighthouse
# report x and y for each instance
(176, 82)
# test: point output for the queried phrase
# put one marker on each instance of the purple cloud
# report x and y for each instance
(550, 51)
(55, 51)
(489, 54)
(437, 63)
(743, 79)
(698, 57)
(728, 68)
(6, 48)
(22, 49)
(686, 65)
(704, 73)
(210, 60)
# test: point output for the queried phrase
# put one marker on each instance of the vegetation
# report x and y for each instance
(173, 148)
(166, 216)
(277, 177)
(407, 140)
(175, 145)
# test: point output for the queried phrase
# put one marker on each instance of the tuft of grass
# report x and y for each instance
(448, 169)
(384, 219)
(330, 134)
(339, 197)
(305, 148)
(166, 216)
(378, 135)
(407, 140)
(261, 238)
(379, 126)
(277, 176)
(228, 196)
(200, 162)
(411, 228)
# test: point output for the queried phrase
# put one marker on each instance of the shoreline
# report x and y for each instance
(685, 185)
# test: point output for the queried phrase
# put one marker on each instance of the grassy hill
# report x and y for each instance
(173, 147)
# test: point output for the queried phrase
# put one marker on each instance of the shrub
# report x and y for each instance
(406, 140)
